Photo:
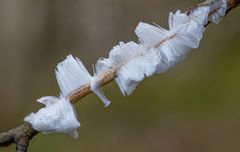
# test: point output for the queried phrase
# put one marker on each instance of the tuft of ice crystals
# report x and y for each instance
(58, 115)
(96, 88)
(218, 10)
(159, 48)
(71, 74)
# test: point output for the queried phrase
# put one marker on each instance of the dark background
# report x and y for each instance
(194, 107)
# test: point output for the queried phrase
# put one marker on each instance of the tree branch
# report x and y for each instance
(22, 135)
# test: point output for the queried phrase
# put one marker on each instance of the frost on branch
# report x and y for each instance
(96, 88)
(71, 74)
(58, 116)
(218, 9)
(158, 50)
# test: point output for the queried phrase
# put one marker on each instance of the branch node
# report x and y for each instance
(20, 136)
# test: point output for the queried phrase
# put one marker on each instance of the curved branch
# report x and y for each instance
(22, 135)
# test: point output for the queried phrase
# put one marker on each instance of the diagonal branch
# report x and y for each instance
(22, 135)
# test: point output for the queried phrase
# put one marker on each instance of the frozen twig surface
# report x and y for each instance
(24, 133)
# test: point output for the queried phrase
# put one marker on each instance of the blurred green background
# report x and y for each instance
(194, 107)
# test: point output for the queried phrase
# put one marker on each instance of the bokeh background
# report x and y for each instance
(194, 107)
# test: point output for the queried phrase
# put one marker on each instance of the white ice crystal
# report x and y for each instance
(158, 50)
(58, 115)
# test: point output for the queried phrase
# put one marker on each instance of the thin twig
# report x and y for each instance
(22, 135)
